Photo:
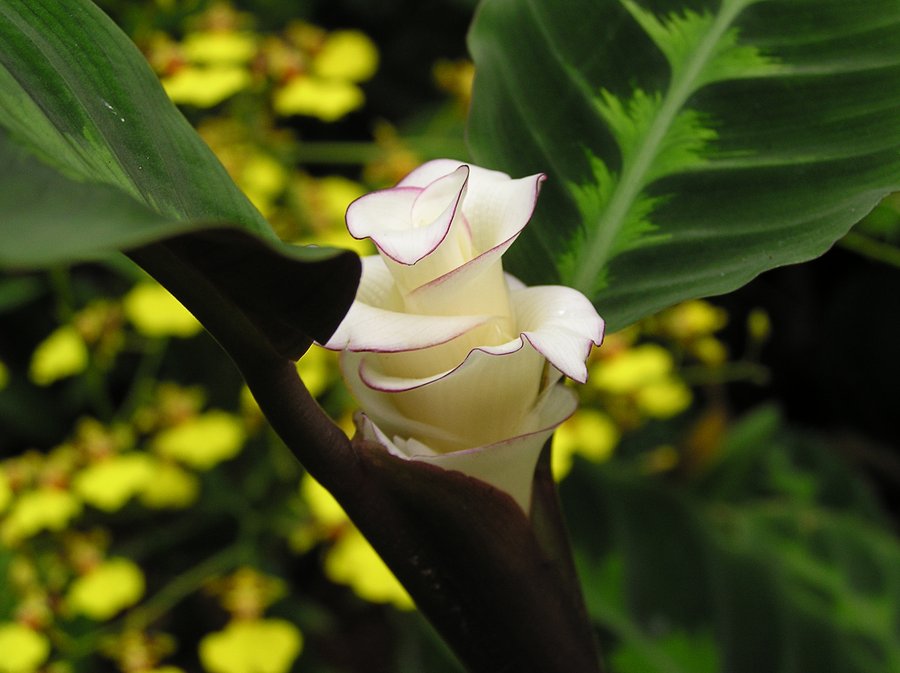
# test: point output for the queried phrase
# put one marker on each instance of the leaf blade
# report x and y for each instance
(663, 138)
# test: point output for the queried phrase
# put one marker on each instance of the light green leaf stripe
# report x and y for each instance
(689, 146)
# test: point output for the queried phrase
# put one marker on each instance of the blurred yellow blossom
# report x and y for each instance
(22, 650)
(589, 433)
(318, 368)
(324, 508)
(171, 487)
(329, 100)
(110, 483)
(353, 562)
(254, 646)
(346, 55)
(632, 369)
(709, 350)
(246, 593)
(61, 354)
(329, 197)
(4, 375)
(105, 590)
(262, 178)
(202, 441)
(5, 491)
(759, 325)
(645, 374)
(205, 86)
(663, 398)
(156, 313)
(692, 319)
(46, 508)
(219, 47)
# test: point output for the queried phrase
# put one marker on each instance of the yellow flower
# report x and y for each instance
(632, 369)
(156, 313)
(202, 441)
(324, 508)
(255, 646)
(348, 55)
(318, 368)
(170, 487)
(589, 433)
(24, 650)
(353, 562)
(60, 355)
(35, 511)
(5, 491)
(4, 376)
(329, 100)
(664, 398)
(205, 87)
(262, 178)
(693, 319)
(109, 484)
(107, 589)
(219, 47)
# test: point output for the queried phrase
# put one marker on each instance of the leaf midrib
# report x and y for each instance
(592, 257)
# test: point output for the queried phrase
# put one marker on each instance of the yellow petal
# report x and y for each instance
(329, 100)
(347, 54)
(205, 87)
(353, 562)
(219, 47)
(156, 313)
(203, 441)
(109, 484)
(60, 355)
(23, 649)
(113, 585)
(255, 646)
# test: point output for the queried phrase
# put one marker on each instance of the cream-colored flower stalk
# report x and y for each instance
(454, 362)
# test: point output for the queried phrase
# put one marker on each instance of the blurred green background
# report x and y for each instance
(731, 479)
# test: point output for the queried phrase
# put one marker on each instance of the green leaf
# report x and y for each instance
(757, 574)
(95, 158)
(689, 145)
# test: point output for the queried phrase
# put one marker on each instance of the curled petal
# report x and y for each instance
(508, 464)
(407, 223)
(377, 323)
(484, 399)
(561, 324)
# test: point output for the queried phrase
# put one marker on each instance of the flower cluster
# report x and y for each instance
(454, 362)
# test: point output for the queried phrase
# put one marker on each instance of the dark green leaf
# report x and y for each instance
(95, 158)
(689, 145)
(757, 575)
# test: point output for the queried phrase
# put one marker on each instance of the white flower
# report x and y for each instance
(454, 362)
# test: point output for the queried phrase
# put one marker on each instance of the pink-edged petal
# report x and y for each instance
(497, 210)
(368, 328)
(430, 171)
(406, 223)
(484, 399)
(561, 324)
(507, 464)
(376, 321)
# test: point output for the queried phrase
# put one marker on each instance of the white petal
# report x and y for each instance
(406, 223)
(508, 464)
(498, 209)
(482, 401)
(376, 321)
(561, 323)
(430, 171)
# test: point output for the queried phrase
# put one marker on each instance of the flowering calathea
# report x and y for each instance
(454, 362)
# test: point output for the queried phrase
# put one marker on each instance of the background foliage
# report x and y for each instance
(730, 480)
